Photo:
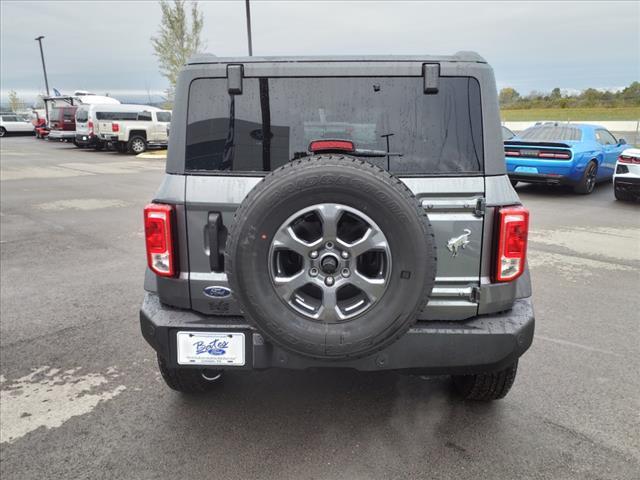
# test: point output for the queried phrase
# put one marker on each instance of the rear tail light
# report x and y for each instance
(90, 126)
(331, 146)
(158, 219)
(629, 159)
(513, 230)
(115, 127)
(556, 155)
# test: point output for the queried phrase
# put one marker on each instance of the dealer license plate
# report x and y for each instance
(210, 348)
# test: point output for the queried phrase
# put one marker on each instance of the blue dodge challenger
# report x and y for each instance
(563, 153)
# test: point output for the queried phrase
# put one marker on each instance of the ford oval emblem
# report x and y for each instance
(217, 292)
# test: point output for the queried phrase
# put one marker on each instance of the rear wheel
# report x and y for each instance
(137, 144)
(3, 131)
(98, 146)
(486, 386)
(588, 181)
(189, 380)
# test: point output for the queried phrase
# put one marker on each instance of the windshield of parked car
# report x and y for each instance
(275, 119)
(551, 133)
(163, 116)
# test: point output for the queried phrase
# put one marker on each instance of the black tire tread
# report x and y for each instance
(486, 386)
(185, 380)
(581, 187)
(346, 162)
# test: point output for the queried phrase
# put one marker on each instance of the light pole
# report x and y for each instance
(249, 26)
(44, 68)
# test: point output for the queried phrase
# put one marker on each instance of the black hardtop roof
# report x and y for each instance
(464, 56)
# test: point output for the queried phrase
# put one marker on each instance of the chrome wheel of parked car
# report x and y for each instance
(2, 132)
(137, 145)
(330, 262)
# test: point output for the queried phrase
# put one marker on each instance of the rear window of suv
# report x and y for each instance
(274, 120)
(551, 133)
(82, 115)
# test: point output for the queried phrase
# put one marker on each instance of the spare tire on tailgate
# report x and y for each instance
(331, 257)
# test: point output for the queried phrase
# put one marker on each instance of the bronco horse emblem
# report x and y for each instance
(456, 243)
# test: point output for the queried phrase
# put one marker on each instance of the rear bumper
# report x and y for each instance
(628, 183)
(62, 135)
(481, 344)
(86, 140)
(542, 178)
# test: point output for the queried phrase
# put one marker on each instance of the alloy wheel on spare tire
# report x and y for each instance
(331, 257)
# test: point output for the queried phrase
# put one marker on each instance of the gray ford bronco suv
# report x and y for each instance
(345, 212)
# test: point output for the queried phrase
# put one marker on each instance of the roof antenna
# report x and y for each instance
(248, 9)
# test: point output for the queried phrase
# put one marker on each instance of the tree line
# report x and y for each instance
(510, 98)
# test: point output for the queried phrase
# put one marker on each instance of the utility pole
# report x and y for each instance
(248, 27)
(44, 68)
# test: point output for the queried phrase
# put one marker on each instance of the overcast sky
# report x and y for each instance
(105, 47)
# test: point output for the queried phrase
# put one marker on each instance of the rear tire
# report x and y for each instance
(137, 145)
(485, 387)
(98, 146)
(588, 181)
(189, 380)
(3, 131)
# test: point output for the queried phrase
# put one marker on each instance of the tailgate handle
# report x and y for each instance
(215, 231)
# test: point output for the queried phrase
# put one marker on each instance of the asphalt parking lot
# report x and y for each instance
(81, 396)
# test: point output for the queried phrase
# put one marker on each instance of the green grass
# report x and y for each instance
(573, 114)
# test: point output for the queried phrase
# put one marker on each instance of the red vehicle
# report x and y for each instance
(40, 126)
(62, 123)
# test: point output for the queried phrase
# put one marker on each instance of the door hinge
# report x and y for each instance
(481, 205)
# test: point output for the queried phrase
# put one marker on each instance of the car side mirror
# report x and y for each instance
(622, 141)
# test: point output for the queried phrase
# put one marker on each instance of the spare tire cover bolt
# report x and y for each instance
(328, 281)
(345, 254)
(313, 272)
(345, 272)
(314, 254)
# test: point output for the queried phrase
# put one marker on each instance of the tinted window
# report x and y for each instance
(144, 116)
(163, 116)
(274, 119)
(605, 138)
(82, 115)
(68, 114)
(9, 118)
(551, 133)
(117, 115)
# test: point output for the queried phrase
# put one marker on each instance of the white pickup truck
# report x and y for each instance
(134, 128)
